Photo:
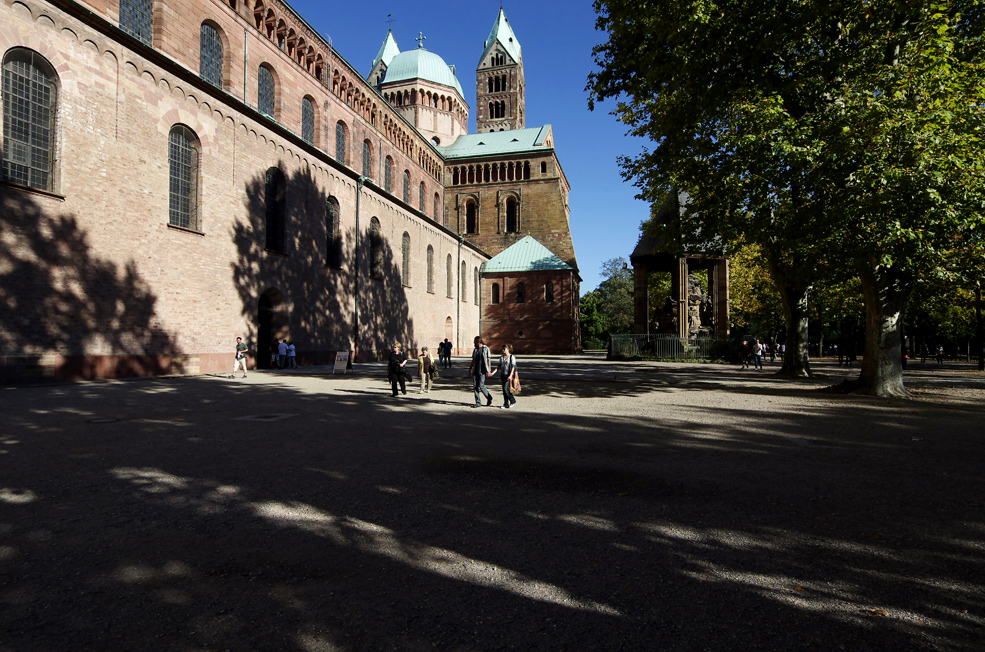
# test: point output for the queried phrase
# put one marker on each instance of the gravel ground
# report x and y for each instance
(632, 506)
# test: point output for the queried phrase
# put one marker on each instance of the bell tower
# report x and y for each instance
(499, 84)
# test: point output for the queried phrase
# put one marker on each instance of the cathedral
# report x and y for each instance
(178, 173)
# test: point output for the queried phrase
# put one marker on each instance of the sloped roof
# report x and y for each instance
(527, 255)
(421, 64)
(502, 32)
(387, 51)
(492, 143)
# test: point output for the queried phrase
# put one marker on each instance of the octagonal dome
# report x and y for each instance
(421, 64)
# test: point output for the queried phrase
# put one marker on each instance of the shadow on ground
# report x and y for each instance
(189, 514)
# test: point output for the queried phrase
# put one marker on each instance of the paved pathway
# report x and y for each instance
(621, 506)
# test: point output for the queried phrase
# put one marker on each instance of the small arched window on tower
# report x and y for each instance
(521, 293)
(512, 219)
(548, 292)
(471, 219)
(495, 293)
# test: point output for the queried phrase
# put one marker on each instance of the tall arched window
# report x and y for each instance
(475, 286)
(437, 202)
(495, 293)
(30, 102)
(308, 120)
(549, 292)
(333, 232)
(340, 142)
(265, 91)
(183, 177)
(274, 197)
(137, 19)
(430, 269)
(463, 275)
(449, 275)
(521, 293)
(406, 186)
(367, 159)
(375, 249)
(210, 56)
(388, 174)
(512, 223)
(405, 260)
(421, 198)
(471, 218)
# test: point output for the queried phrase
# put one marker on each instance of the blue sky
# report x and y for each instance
(557, 39)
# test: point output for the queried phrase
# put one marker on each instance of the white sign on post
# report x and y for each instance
(341, 361)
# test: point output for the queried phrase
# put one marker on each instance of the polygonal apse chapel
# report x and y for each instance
(180, 172)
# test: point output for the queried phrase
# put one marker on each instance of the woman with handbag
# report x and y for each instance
(507, 376)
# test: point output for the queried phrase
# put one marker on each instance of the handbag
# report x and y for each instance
(515, 383)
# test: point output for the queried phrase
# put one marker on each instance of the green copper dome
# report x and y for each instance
(421, 64)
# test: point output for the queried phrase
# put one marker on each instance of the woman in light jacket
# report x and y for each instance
(425, 367)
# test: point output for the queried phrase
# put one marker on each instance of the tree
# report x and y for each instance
(616, 295)
(594, 324)
(838, 136)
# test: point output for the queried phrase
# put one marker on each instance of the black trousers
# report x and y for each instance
(401, 378)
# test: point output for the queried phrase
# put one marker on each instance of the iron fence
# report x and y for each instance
(667, 347)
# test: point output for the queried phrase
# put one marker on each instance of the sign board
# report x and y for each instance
(341, 361)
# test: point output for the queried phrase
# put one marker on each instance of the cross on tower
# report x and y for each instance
(389, 21)
(420, 39)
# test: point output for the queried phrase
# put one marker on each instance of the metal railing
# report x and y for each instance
(667, 347)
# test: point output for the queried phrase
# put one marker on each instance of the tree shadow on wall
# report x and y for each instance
(67, 313)
(315, 275)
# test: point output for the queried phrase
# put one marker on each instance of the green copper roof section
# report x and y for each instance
(502, 32)
(495, 143)
(421, 64)
(387, 51)
(527, 255)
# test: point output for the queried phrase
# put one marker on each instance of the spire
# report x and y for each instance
(503, 33)
(387, 51)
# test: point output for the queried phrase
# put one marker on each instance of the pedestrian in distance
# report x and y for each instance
(292, 356)
(447, 351)
(479, 369)
(282, 353)
(744, 354)
(507, 371)
(757, 354)
(240, 361)
(396, 368)
(426, 368)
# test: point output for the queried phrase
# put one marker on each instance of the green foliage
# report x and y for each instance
(594, 324)
(616, 295)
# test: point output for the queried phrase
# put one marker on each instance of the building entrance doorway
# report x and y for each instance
(271, 325)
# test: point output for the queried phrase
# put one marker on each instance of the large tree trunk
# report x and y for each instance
(885, 293)
(793, 296)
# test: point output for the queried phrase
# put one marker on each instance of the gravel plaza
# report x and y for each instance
(620, 506)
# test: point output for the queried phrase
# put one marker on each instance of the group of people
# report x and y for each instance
(283, 355)
(755, 351)
(444, 354)
(479, 369)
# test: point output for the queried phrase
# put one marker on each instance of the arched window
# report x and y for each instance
(436, 203)
(549, 292)
(495, 293)
(265, 91)
(405, 262)
(526, 170)
(210, 56)
(471, 219)
(29, 86)
(430, 269)
(521, 293)
(375, 249)
(475, 286)
(183, 151)
(464, 276)
(333, 232)
(308, 120)
(406, 186)
(388, 174)
(340, 142)
(137, 19)
(543, 167)
(512, 223)
(274, 196)
(449, 276)
(421, 198)
(367, 159)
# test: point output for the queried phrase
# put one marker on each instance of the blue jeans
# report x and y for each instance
(508, 398)
(479, 385)
(758, 359)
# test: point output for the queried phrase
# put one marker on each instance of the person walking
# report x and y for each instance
(507, 369)
(479, 369)
(395, 366)
(292, 356)
(447, 352)
(425, 367)
(757, 354)
(744, 354)
(240, 361)
(282, 353)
